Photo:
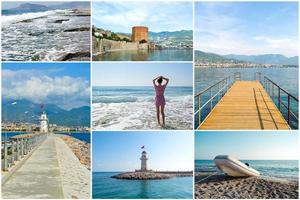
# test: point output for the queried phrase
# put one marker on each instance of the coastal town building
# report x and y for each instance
(139, 33)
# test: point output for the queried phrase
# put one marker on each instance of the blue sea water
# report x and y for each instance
(106, 187)
(85, 137)
(34, 35)
(6, 135)
(286, 78)
(274, 169)
(156, 55)
(81, 136)
(134, 108)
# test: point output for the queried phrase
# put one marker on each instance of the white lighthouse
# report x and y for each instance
(43, 123)
(144, 161)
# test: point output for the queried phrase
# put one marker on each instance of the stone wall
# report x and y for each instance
(104, 45)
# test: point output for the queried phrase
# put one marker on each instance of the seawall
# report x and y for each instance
(152, 175)
(101, 46)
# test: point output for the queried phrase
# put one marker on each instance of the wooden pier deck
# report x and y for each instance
(246, 105)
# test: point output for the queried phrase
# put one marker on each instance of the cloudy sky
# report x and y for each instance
(248, 28)
(67, 85)
(158, 16)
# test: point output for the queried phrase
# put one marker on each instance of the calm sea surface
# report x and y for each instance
(134, 108)
(286, 78)
(80, 136)
(105, 187)
(155, 55)
(275, 169)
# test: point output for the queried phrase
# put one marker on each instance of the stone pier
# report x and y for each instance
(43, 174)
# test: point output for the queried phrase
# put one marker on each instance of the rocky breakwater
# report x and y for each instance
(142, 176)
(151, 175)
(80, 149)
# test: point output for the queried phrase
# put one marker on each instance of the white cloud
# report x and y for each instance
(158, 16)
(65, 91)
(221, 30)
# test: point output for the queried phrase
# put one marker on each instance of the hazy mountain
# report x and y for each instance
(71, 5)
(183, 34)
(26, 111)
(32, 7)
(201, 56)
(26, 7)
(266, 59)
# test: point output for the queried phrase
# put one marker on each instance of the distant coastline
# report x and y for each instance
(275, 66)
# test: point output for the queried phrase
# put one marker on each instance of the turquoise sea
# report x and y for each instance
(154, 55)
(105, 187)
(287, 78)
(134, 108)
(273, 169)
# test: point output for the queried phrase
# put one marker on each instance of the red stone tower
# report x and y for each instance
(139, 33)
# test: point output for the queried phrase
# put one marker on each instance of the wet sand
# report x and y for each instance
(224, 187)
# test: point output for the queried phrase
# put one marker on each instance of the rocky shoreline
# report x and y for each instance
(80, 149)
(151, 175)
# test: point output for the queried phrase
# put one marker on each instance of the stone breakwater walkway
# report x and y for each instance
(75, 176)
(47, 174)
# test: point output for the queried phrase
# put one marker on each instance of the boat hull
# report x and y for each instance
(233, 167)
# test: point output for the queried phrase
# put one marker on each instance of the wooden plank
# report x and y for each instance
(246, 105)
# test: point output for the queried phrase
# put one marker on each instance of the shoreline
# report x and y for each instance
(79, 148)
(198, 67)
(224, 187)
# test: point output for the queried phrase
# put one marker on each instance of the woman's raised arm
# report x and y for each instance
(167, 80)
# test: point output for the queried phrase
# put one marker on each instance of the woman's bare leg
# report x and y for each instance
(157, 115)
(163, 114)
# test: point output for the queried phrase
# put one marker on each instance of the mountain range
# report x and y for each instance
(32, 7)
(27, 111)
(266, 59)
(201, 56)
(183, 34)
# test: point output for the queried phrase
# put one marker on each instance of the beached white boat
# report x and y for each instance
(233, 167)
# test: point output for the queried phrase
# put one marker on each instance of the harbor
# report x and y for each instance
(61, 163)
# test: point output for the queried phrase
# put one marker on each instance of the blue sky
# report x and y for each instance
(267, 145)
(120, 151)
(65, 84)
(14, 4)
(158, 16)
(248, 28)
(141, 74)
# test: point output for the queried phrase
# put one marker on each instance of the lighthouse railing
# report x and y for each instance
(15, 149)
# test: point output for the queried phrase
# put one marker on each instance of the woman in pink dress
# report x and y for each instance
(160, 101)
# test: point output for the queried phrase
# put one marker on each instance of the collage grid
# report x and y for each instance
(93, 133)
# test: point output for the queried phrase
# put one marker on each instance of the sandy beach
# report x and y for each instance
(223, 187)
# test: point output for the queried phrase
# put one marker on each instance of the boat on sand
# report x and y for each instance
(233, 167)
